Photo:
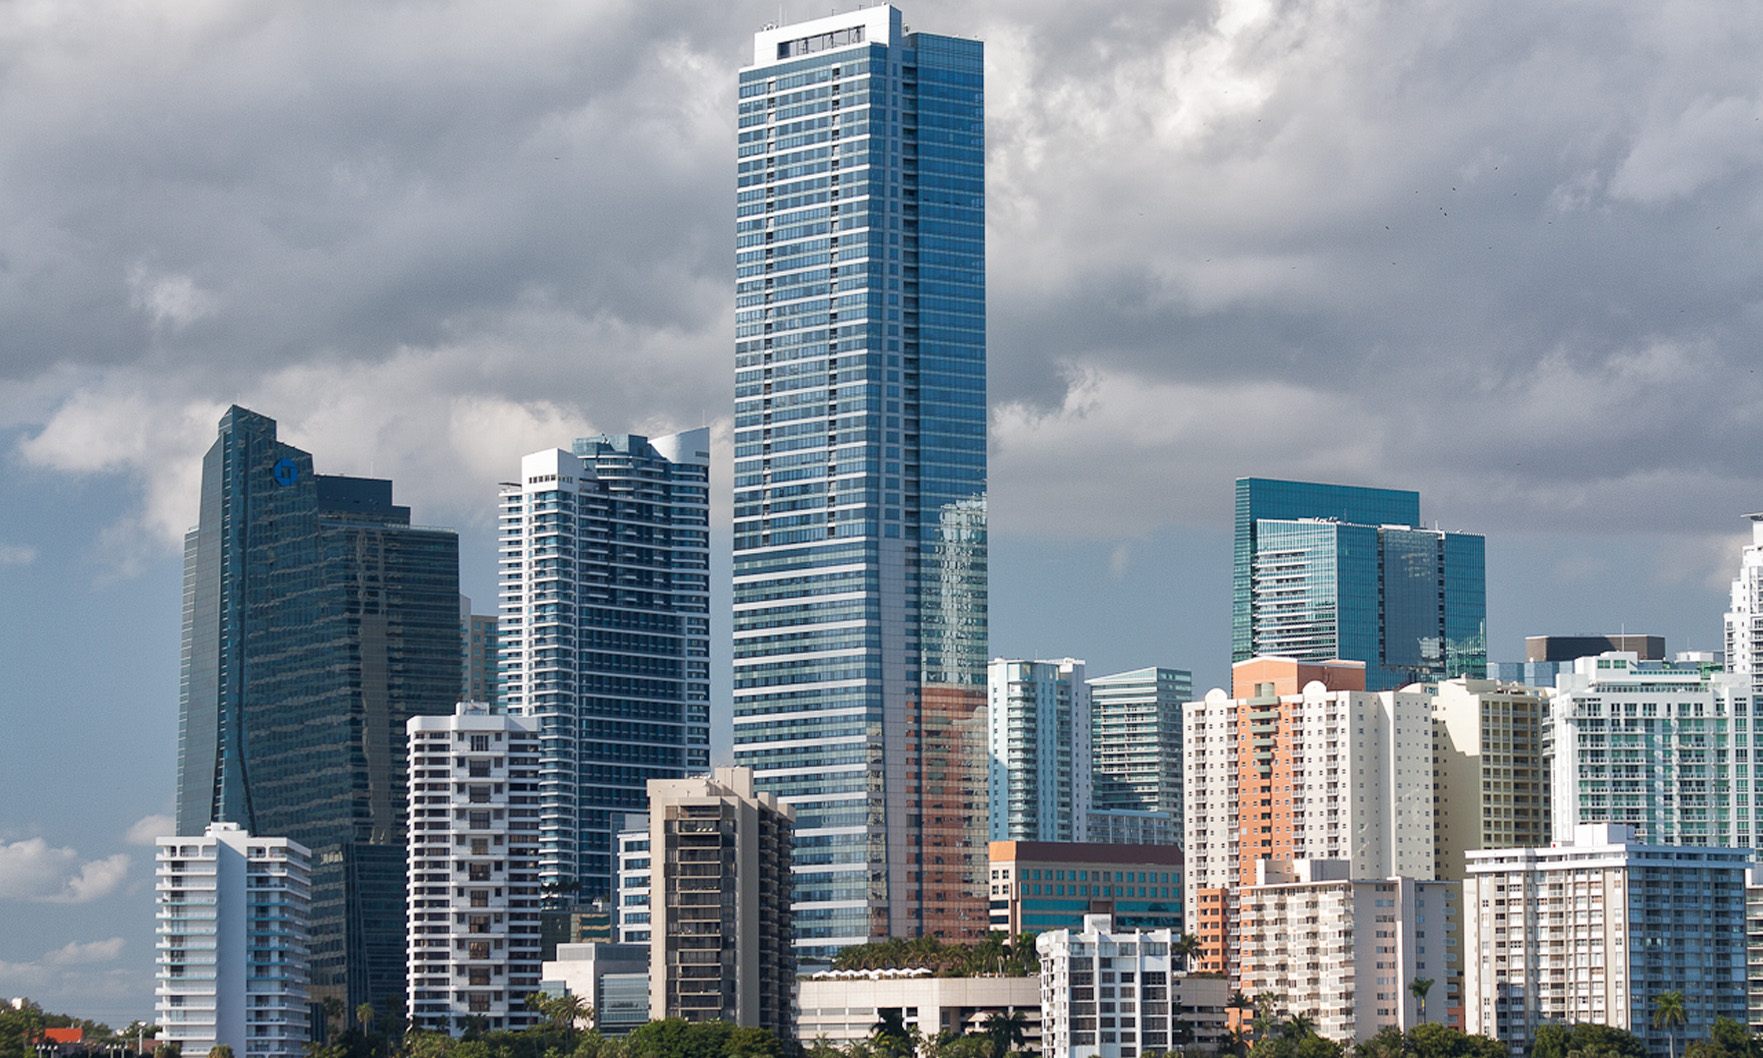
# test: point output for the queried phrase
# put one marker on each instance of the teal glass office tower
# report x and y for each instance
(860, 470)
(317, 620)
(1340, 571)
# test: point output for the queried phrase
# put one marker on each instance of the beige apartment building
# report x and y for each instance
(1491, 781)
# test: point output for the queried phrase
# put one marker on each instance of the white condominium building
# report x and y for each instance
(1662, 746)
(1345, 951)
(232, 961)
(1593, 930)
(1115, 995)
(1038, 723)
(473, 930)
(1744, 621)
(1489, 774)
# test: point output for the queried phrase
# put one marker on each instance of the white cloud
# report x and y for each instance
(30, 870)
(169, 299)
(145, 830)
(17, 554)
(75, 953)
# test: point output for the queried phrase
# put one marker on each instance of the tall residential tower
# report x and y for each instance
(317, 621)
(860, 469)
(605, 634)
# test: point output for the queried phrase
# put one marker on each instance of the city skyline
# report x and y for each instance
(1585, 404)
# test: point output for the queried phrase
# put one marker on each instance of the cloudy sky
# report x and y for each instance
(1503, 254)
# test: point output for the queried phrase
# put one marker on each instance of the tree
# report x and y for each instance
(1298, 1027)
(220, 1050)
(889, 1035)
(168, 1050)
(1668, 1012)
(1007, 1031)
(1187, 947)
(333, 1013)
(1386, 1043)
(1418, 988)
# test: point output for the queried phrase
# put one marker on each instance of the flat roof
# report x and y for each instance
(1085, 852)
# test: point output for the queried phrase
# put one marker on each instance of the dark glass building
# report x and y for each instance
(317, 620)
(860, 469)
(1340, 571)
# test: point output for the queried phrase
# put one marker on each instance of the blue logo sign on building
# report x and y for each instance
(286, 472)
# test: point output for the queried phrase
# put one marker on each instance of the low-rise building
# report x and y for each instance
(611, 978)
(1117, 994)
(841, 1006)
(1595, 930)
(1344, 951)
(1042, 885)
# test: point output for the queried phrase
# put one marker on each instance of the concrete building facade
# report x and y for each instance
(473, 922)
(1594, 929)
(611, 978)
(1490, 778)
(231, 961)
(1109, 993)
(721, 892)
(842, 1007)
(1344, 950)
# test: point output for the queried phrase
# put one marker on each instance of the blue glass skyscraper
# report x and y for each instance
(860, 469)
(1341, 571)
(317, 620)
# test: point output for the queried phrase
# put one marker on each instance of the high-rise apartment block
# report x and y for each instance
(1344, 950)
(473, 923)
(1338, 571)
(605, 633)
(720, 948)
(1135, 740)
(1302, 764)
(1490, 776)
(1038, 734)
(1108, 993)
(636, 875)
(1657, 744)
(231, 925)
(317, 621)
(1754, 946)
(1595, 928)
(860, 468)
(1744, 619)
(479, 678)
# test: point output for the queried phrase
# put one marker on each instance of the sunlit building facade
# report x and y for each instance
(860, 469)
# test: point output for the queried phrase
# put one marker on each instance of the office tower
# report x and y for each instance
(1042, 885)
(473, 926)
(1489, 774)
(478, 636)
(1744, 621)
(605, 634)
(317, 620)
(1339, 571)
(1301, 764)
(1593, 929)
(721, 948)
(232, 954)
(1038, 726)
(1343, 950)
(1135, 743)
(1149, 1000)
(1655, 744)
(1546, 656)
(860, 469)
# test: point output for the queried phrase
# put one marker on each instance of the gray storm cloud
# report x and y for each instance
(1505, 256)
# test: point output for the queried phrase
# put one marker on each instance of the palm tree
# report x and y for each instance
(1668, 1011)
(1007, 1030)
(890, 1034)
(333, 1013)
(1418, 988)
(1298, 1027)
(1188, 947)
